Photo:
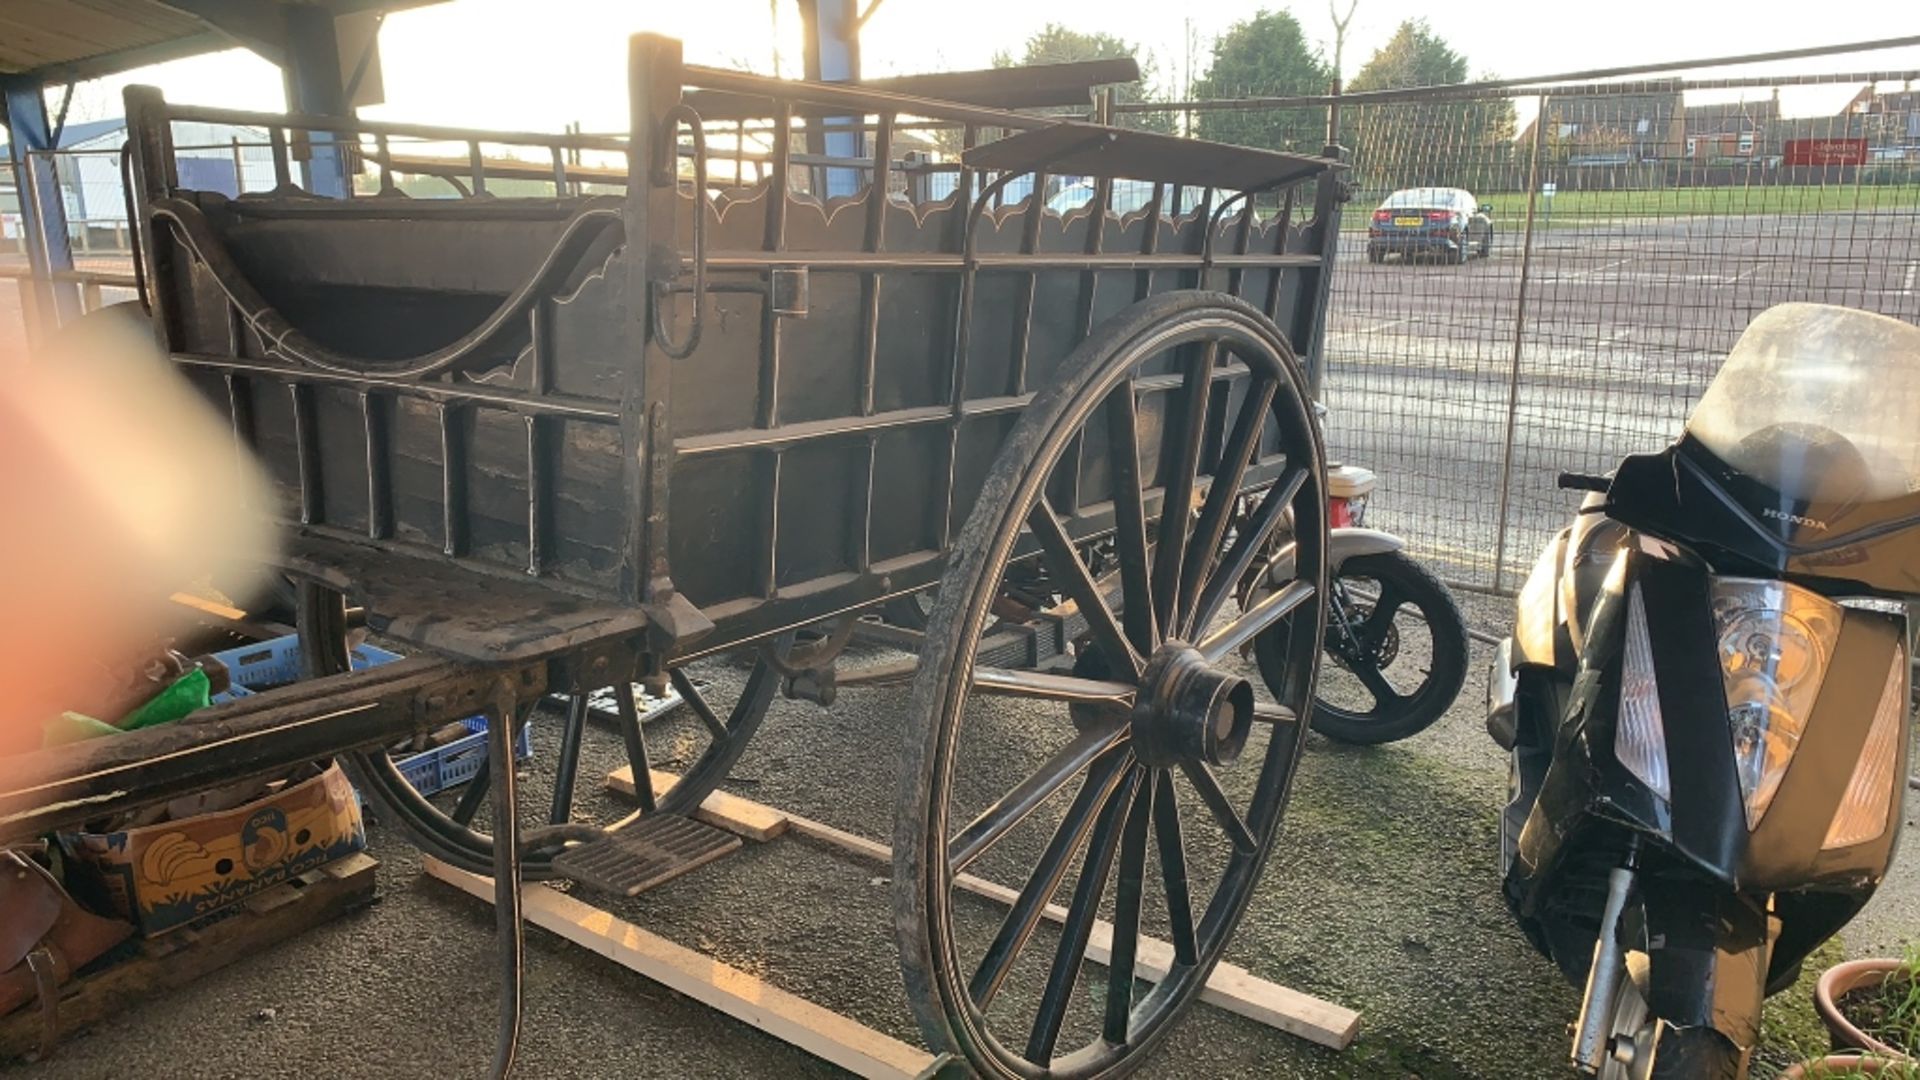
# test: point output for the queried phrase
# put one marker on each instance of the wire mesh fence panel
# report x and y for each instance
(1419, 341)
(1546, 282)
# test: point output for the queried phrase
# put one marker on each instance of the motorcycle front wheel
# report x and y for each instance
(1642, 1048)
(1398, 650)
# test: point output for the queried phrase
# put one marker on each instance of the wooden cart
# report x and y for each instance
(556, 440)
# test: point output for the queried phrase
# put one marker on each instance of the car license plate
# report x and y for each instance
(1409, 222)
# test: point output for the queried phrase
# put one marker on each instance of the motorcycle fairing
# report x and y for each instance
(1688, 495)
(1703, 828)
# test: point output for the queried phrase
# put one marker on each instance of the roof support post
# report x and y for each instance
(832, 29)
(311, 66)
(42, 212)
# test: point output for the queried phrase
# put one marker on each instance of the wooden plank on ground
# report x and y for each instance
(821, 1032)
(1229, 987)
(177, 958)
(743, 817)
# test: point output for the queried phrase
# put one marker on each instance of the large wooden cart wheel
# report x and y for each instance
(443, 825)
(1148, 777)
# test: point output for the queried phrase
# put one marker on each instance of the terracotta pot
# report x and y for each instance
(1835, 982)
(1840, 1064)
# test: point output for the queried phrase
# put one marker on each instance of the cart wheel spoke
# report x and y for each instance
(1266, 712)
(476, 791)
(1118, 1022)
(697, 701)
(1045, 879)
(1175, 511)
(1014, 807)
(1050, 687)
(1247, 546)
(635, 738)
(1275, 606)
(569, 765)
(1130, 518)
(1208, 786)
(1216, 514)
(1078, 927)
(1146, 703)
(450, 835)
(1173, 869)
(1074, 577)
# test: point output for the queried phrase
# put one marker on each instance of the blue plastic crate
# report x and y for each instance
(276, 662)
(266, 664)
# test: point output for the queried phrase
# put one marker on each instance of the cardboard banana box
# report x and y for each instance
(168, 875)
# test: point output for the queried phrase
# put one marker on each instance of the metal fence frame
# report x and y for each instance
(1378, 419)
(1838, 236)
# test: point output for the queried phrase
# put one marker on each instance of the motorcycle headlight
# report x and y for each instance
(1863, 810)
(1775, 642)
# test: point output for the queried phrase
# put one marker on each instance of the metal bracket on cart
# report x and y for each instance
(807, 668)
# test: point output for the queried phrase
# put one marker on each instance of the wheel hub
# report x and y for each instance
(1190, 711)
(1349, 648)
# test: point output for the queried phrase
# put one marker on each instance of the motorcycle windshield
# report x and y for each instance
(1820, 405)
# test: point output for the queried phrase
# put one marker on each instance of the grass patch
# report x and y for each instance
(1890, 1011)
(1791, 1031)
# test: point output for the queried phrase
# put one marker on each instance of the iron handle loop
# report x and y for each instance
(665, 173)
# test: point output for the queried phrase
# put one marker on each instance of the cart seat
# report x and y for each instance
(447, 608)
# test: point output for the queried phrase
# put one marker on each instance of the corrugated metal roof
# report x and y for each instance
(49, 34)
(61, 40)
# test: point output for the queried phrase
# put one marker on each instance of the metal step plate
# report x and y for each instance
(649, 852)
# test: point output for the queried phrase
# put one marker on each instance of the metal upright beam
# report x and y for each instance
(43, 213)
(833, 55)
(311, 67)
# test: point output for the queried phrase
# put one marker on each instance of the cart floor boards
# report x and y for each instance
(651, 851)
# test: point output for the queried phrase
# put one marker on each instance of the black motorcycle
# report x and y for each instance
(1705, 696)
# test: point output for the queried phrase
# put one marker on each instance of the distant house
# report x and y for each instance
(1735, 129)
(1890, 122)
(1610, 129)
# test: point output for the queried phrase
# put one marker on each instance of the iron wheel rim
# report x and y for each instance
(1130, 775)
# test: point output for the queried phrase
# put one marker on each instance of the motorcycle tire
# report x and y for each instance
(1660, 1051)
(1410, 713)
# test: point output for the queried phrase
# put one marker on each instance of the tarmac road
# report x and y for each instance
(1627, 321)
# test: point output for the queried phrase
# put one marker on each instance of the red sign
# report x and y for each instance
(1826, 152)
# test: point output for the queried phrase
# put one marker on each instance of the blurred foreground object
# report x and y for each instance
(118, 486)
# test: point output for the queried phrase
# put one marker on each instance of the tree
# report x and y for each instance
(1056, 44)
(1265, 56)
(1340, 33)
(1460, 142)
(1414, 56)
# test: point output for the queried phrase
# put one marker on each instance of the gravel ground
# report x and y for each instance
(1382, 897)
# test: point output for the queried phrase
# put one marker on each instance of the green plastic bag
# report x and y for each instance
(72, 727)
(189, 692)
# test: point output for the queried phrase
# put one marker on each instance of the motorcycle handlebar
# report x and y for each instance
(1571, 481)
